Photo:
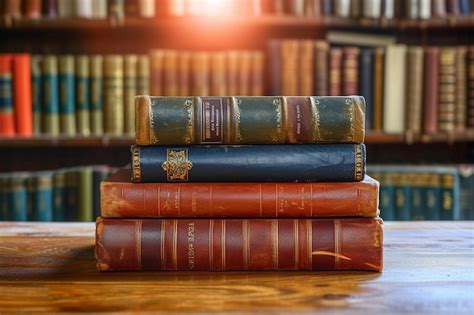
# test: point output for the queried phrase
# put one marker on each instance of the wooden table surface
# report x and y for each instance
(429, 268)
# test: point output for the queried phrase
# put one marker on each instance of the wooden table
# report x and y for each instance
(429, 268)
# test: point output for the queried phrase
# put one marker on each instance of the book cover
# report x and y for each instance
(83, 8)
(65, 8)
(42, 197)
(257, 82)
(184, 74)
(470, 87)
(403, 195)
(122, 198)
(239, 244)
(156, 72)
(372, 9)
(432, 196)
(49, 8)
(7, 116)
(290, 78)
(32, 9)
(99, 174)
(50, 110)
(67, 95)
(96, 94)
(113, 95)
(99, 9)
(388, 9)
(245, 63)
(143, 75)
(18, 193)
(461, 84)
(418, 193)
(438, 9)
(425, 9)
(249, 120)
(71, 193)
(274, 66)
(130, 91)
(342, 8)
(147, 8)
(466, 175)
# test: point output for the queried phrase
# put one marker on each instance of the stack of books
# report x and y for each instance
(243, 183)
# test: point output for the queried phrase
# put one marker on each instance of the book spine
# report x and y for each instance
(244, 73)
(170, 73)
(388, 9)
(356, 9)
(453, 7)
(327, 7)
(233, 72)
(184, 74)
(67, 95)
(290, 79)
(367, 83)
(439, 9)
(59, 196)
(335, 66)
(470, 87)
(18, 198)
(278, 7)
(22, 94)
(85, 194)
(412, 9)
(306, 66)
(36, 93)
(431, 84)
(466, 174)
(50, 111)
(402, 196)
(200, 73)
(387, 196)
(297, 8)
(71, 195)
(433, 197)
(425, 9)
(249, 120)
(131, 8)
(447, 90)
(11, 11)
(113, 94)
(461, 91)
(464, 7)
(143, 75)
(49, 8)
(83, 111)
(83, 8)
(32, 9)
(42, 197)
(156, 72)
(256, 76)
(151, 200)
(414, 89)
(274, 66)
(342, 8)
(372, 9)
(378, 88)
(130, 91)
(259, 244)
(218, 74)
(7, 116)
(321, 73)
(4, 200)
(394, 89)
(116, 10)
(99, 175)
(147, 8)
(96, 94)
(417, 202)
(65, 8)
(99, 9)
(341, 162)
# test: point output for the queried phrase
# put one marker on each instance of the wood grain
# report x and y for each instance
(50, 267)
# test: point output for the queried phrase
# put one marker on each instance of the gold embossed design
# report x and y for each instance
(358, 167)
(177, 165)
(279, 117)
(136, 170)
(189, 138)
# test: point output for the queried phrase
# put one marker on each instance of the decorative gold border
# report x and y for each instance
(136, 169)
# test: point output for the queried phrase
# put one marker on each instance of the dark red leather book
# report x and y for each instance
(121, 198)
(350, 77)
(431, 81)
(240, 244)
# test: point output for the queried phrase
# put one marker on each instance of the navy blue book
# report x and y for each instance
(366, 83)
(464, 7)
(249, 163)
(327, 7)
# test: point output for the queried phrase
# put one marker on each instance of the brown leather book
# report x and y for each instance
(431, 78)
(233, 72)
(245, 63)
(170, 73)
(156, 72)
(306, 67)
(184, 69)
(257, 83)
(289, 75)
(461, 53)
(313, 8)
(379, 57)
(438, 8)
(414, 88)
(239, 244)
(218, 74)
(470, 87)
(321, 67)
(200, 74)
(335, 63)
(447, 90)
(32, 9)
(350, 85)
(121, 198)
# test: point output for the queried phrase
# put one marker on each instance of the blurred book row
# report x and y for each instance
(12, 10)
(69, 194)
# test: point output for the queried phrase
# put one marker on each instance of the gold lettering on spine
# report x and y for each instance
(279, 119)
(337, 244)
(245, 249)
(153, 138)
(358, 165)
(274, 234)
(191, 250)
(136, 169)
(237, 135)
(138, 243)
(351, 103)
(189, 137)
(315, 120)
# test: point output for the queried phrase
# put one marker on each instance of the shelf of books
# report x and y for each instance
(70, 71)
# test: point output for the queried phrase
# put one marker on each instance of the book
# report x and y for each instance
(83, 8)
(453, 7)
(7, 116)
(372, 9)
(200, 74)
(394, 89)
(289, 67)
(432, 199)
(417, 202)
(59, 196)
(359, 39)
(387, 195)
(143, 75)
(22, 94)
(4, 202)
(121, 198)
(170, 73)
(99, 9)
(50, 102)
(378, 88)
(350, 71)
(321, 67)
(424, 11)
(116, 10)
(414, 89)
(256, 76)
(113, 95)
(254, 120)
(42, 197)
(356, 9)
(67, 95)
(65, 8)
(84, 199)
(388, 9)
(335, 73)
(245, 62)
(464, 7)
(71, 194)
(218, 85)
(412, 9)
(248, 163)
(184, 74)
(49, 8)
(83, 112)
(36, 93)
(430, 90)
(466, 174)
(461, 92)
(239, 244)
(306, 67)
(156, 72)
(99, 174)
(438, 9)
(147, 8)
(96, 94)
(130, 91)
(18, 194)
(366, 83)
(274, 66)
(342, 8)
(470, 88)
(447, 90)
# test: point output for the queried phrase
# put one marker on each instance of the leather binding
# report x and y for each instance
(447, 89)
(290, 69)
(130, 66)
(184, 79)
(367, 84)
(274, 66)
(350, 84)
(239, 244)
(321, 73)
(461, 87)
(22, 94)
(249, 120)
(82, 95)
(248, 163)
(379, 55)
(170, 75)
(113, 94)
(470, 87)
(414, 89)
(96, 94)
(67, 95)
(335, 64)
(431, 78)
(306, 67)
(438, 9)
(200, 73)
(218, 74)
(121, 198)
